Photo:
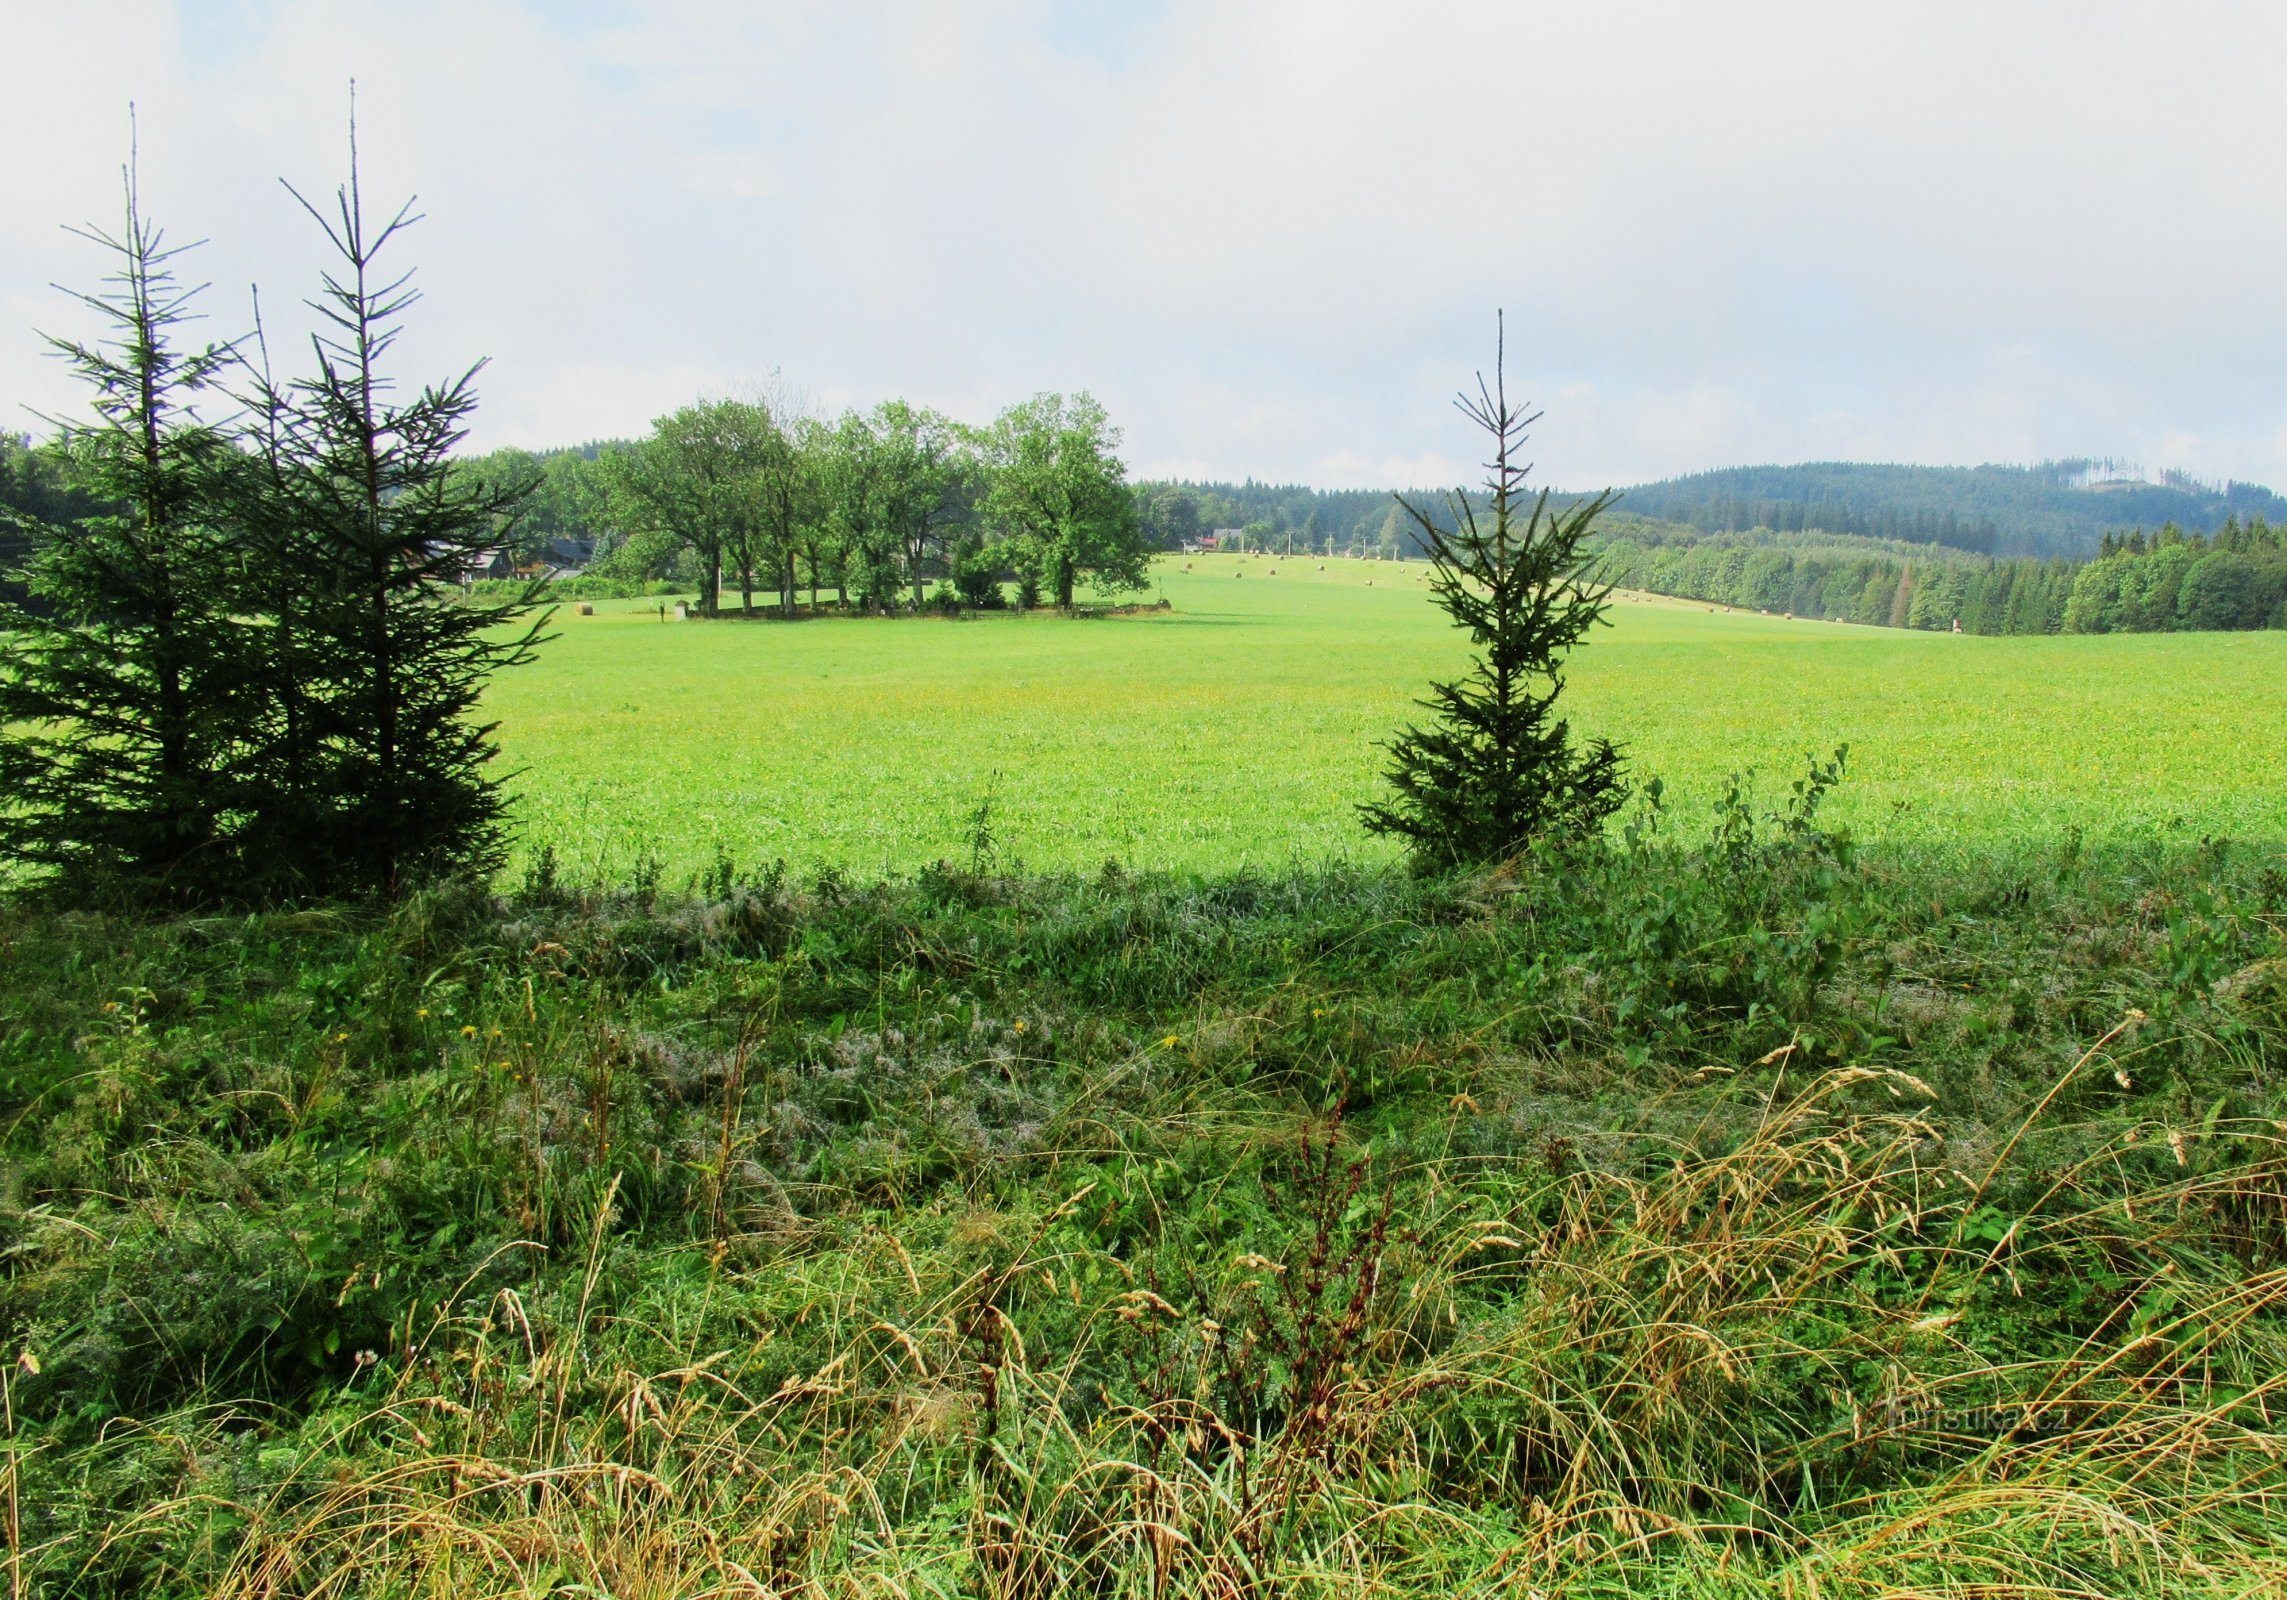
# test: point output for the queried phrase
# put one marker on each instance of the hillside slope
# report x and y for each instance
(2059, 508)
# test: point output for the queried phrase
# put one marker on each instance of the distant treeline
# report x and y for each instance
(1273, 516)
(2058, 508)
(1906, 565)
(1903, 566)
(2166, 582)
(2234, 580)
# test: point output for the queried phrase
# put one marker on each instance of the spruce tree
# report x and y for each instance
(123, 678)
(365, 524)
(1497, 769)
(280, 588)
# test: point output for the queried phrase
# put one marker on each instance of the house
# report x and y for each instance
(566, 555)
(561, 559)
(489, 564)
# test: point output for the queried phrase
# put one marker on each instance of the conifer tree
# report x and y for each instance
(123, 679)
(364, 516)
(1497, 769)
(280, 588)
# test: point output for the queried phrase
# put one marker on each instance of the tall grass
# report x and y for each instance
(1583, 1381)
(1734, 1217)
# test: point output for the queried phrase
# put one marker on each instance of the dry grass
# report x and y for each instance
(1630, 1416)
(1599, 1227)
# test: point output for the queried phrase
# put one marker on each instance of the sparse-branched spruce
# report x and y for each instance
(1498, 769)
(124, 674)
(390, 779)
(250, 673)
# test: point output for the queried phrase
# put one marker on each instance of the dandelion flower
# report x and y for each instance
(469, 1032)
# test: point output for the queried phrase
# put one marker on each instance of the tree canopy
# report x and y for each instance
(1060, 494)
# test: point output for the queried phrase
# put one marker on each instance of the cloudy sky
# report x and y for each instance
(1269, 236)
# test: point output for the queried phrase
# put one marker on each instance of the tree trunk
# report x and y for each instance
(1065, 574)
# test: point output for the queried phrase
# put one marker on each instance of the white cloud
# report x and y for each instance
(1269, 235)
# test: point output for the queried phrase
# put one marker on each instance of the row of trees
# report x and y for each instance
(577, 507)
(757, 497)
(2234, 579)
(230, 669)
(1283, 517)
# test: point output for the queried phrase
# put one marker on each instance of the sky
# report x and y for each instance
(1271, 237)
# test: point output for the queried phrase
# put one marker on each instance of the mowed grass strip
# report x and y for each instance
(1240, 727)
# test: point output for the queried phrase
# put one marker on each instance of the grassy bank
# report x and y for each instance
(1727, 1214)
(1240, 730)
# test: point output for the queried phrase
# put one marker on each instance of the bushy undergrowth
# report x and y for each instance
(1728, 1214)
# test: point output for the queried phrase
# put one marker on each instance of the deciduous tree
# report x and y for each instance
(700, 479)
(1059, 493)
(928, 481)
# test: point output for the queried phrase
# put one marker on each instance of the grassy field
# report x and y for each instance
(1664, 1223)
(1238, 729)
(1726, 1214)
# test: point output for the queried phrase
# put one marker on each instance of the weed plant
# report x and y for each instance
(1721, 1211)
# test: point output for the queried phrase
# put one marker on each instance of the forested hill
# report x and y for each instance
(2059, 508)
(2056, 509)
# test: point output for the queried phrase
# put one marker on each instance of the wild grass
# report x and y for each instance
(1239, 730)
(1725, 1213)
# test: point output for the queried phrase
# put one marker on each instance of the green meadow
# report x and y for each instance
(1238, 728)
